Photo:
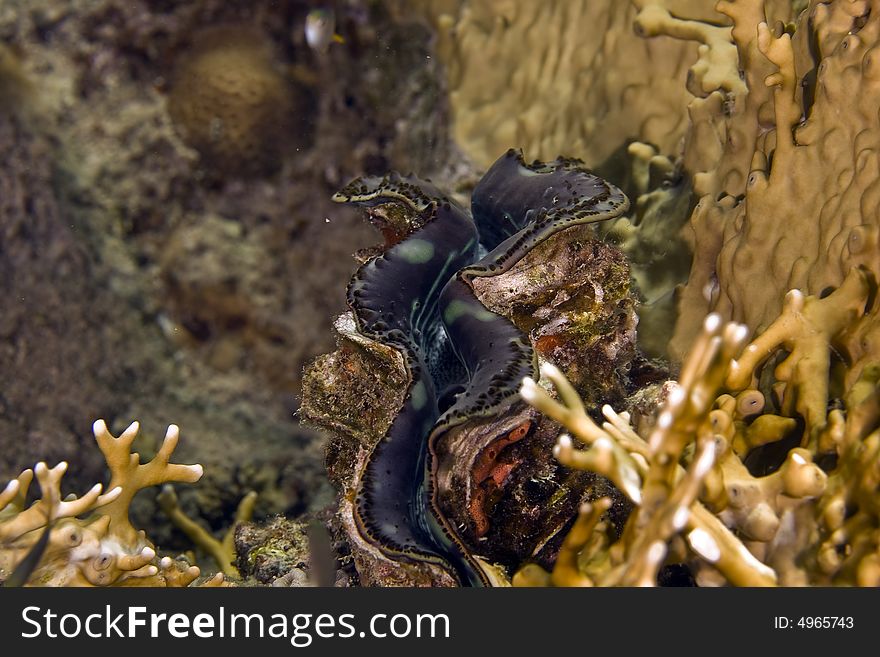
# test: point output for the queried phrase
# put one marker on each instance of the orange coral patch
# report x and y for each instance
(547, 343)
(489, 475)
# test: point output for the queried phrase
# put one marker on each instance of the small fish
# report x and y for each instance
(321, 30)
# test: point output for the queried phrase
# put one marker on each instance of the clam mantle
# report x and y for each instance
(463, 363)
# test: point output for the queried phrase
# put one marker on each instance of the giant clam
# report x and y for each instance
(463, 362)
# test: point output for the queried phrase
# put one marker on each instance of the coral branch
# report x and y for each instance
(222, 551)
(91, 540)
(565, 570)
(717, 65)
(788, 114)
(131, 476)
(50, 507)
(807, 329)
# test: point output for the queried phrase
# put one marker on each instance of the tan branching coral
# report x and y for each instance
(811, 330)
(129, 474)
(786, 171)
(230, 100)
(221, 550)
(836, 540)
(91, 540)
(717, 56)
(800, 524)
(731, 107)
(650, 472)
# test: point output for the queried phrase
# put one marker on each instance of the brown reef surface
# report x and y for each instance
(147, 275)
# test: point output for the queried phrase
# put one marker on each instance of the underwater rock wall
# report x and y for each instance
(56, 333)
(150, 275)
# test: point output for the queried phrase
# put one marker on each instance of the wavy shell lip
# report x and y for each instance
(421, 284)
